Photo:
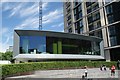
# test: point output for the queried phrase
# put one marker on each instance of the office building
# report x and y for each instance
(10, 49)
(100, 18)
(35, 45)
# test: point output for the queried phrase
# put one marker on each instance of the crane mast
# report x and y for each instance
(40, 15)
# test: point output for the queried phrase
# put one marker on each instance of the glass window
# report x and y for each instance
(89, 10)
(79, 8)
(109, 9)
(110, 19)
(32, 44)
(91, 27)
(75, 3)
(113, 40)
(96, 6)
(76, 25)
(68, 10)
(74, 11)
(81, 30)
(81, 23)
(80, 15)
(92, 6)
(88, 4)
(112, 31)
(90, 19)
(69, 23)
(97, 24)
(98, 34)
(96, 16)
(70, 30)
(68, 5)
(69, 17)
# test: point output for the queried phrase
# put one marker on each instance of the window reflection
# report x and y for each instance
(57, 45)
(32, 44)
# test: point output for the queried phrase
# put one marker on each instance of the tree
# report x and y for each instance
(1, 55)
(7, 56)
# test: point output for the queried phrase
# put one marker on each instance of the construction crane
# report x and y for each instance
(40, 15)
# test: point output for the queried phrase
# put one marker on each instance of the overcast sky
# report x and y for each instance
(24, 15)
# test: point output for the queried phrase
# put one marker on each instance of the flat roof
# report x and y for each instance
(56, 34)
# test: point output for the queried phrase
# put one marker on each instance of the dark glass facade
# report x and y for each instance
(114, 34)
(57, 45)
(91, 6)
(113, 12)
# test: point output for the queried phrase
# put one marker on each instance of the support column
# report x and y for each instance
(107, 55)
(17, 61)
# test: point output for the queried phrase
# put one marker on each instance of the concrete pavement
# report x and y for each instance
(69, 73)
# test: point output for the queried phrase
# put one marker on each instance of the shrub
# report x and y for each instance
(10, 69)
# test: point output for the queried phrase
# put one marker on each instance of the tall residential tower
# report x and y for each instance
(100, 19)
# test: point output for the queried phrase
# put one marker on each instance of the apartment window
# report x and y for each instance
(75, 12)
(99, 34)
(81, 23)
(75, 3)
(97, 24)
(96, 6)
(109, 9)
(79, 8)
(96, 33)
(112, 31)
(70, 30)
(68, 10)
(96, 16)
(89, 10)
(68, 5)
(81, 30)
(110, 19)
(88, 4)
(90, 19)
(113, 40)
(69, 23)
(91, 27)
(112, 34)
(76, 17)
(76, 25)
(92, 7)
(80, 15)
(69, 17)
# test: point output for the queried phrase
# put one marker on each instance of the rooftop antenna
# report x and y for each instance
(40, 15)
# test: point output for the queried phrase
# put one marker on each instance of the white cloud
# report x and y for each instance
(58, 25)
(33, 10)
(4, 44)
(3, 47)
(23, 9)
(61, 24)
(4, 30)
(16, 9)
(31, 22)
(44, 5)
(52, 16)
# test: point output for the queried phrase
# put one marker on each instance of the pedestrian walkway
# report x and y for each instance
(69, 73)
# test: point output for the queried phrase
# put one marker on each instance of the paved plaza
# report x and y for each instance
(69, 73)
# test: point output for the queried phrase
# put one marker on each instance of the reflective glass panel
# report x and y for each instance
(32, 44)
